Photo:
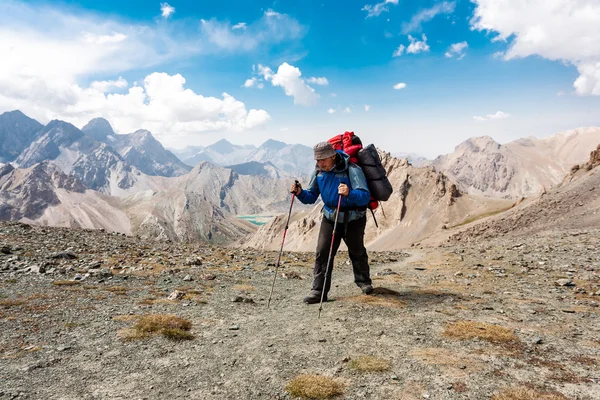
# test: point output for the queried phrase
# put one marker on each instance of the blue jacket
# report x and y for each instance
(326, 184)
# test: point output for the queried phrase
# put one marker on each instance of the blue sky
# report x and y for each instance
(410, 76)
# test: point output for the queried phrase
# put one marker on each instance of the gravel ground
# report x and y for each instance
(528, 309)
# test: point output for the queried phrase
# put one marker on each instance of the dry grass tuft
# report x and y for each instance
(66, 283)
(12, 303)
(369, 364)
(244, 288)
(523, 393)
(148, 301)
(464, 330)
(131, 334)
(314, 387)
(177, 334)
(381, 297)
(169, 326)
(117, 289)
(157, 322)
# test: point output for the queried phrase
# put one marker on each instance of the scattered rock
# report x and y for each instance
(242, 299)
(565, 282)
(67, 255)
(176, 295)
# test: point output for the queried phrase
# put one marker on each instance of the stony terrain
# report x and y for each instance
(485, 321)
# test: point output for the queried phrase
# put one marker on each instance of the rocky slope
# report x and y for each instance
(424, 202)
(522, 168)
(494, 320)
(201, 205)
(575, 204)
(17, 132)
(44, 195)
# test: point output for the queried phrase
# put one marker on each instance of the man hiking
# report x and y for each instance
(334, 175)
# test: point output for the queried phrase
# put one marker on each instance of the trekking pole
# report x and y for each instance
(337, 213)
(282, 242)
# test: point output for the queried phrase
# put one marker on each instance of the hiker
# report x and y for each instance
(334, 175)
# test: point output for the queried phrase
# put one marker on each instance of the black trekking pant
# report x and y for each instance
(353, 236)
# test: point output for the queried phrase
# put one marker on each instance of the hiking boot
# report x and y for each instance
(367, 289)
(314, 297)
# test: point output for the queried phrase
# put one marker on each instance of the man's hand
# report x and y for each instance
(296, 188)
(343, 189)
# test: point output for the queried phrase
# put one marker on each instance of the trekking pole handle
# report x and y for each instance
(296, 186)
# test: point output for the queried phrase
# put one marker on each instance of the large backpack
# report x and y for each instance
(368, 159)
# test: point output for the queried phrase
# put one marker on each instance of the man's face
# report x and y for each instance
(326, 164)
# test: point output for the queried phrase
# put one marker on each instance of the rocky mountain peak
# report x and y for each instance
(223, 146)
(479, 144)
(17, 132)
(273, 145)
(99, 129)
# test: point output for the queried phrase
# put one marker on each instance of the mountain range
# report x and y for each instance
(92, 177)
(291, 159)
(522, 168)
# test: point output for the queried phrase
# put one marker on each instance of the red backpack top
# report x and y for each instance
(348, 143)
(351, 144)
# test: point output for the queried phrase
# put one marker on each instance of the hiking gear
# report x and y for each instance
(326, 184)
(348, 143)
(377, 181)
(330, 254)
(379, 185)
(295, 187)
(367, 289)
(323, 150)
(314, 297)
(282, 242)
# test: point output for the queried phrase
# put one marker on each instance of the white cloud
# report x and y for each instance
(249, 83)
(240, 25)
(289, 78)
(417, 46)
(426, 15)
(318, 81)
(272, 27)
(367, 107)
(347, 110)
(457, 49)
(560, 30)
(166, 10)
(400, 85)
(399, 51)
(497, 115)
(561, 93)
(374, 10)
(265, 71)
(331, 111)
(333, 95)
(161, 104)
(107, 86)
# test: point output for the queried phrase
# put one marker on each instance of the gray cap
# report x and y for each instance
(323, 150)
